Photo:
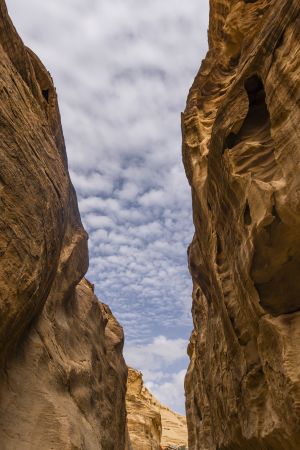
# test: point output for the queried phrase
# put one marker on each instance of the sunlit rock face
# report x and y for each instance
(151, 425)
(174, 430)
(143, 415)
(241, 151)
(62, 373)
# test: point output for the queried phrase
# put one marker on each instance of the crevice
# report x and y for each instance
(280, 41)
(219, 252)
(234, 61)
(219, 246)
(275, 214)
(275, 267)
(231, 140)
(251, 149)
(247, 215)
(45, 93)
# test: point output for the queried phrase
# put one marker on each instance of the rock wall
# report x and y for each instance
(174, 429)
(62, 373)
(151, 425)
(241, 151)
(143, 414)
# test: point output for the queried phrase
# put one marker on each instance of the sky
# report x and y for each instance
(122, 69)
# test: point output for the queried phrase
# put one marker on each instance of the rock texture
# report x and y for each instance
(62, 374)
(241, 151)
(143, 414)
(151, 425)
(174, 430)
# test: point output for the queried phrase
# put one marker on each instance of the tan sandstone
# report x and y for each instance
(151, 425)
(241, 151)
(174, 429)
(62, 373)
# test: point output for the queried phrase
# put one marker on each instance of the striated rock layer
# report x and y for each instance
(174, 429)
(143, 414)
(241, 151)
(62, 373)
(151, 425)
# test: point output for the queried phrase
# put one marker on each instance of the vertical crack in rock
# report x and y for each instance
(241, 152)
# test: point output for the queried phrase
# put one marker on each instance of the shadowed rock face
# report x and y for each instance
(241, 151)
(62, 374)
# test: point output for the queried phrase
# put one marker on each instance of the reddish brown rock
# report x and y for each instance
(241, 150)
(64, 389)
(62, 373)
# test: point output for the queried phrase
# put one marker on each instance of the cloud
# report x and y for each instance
(94, 183)
(169, 390)
(122, 70)
(153, 198)
(95, 221)
(163, 364)
(128, 192)
(160, 353)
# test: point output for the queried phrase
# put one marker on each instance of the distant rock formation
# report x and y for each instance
(241, 151)
(151, 425)
(62, 373)
(143, 414)
(174, 429)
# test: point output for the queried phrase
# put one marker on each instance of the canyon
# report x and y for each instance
(62, 373)
(64, 384)
(241, 154)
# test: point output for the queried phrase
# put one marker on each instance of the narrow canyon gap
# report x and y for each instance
(122, 69)
(62, 373)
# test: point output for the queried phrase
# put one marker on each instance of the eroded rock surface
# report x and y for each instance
(143, 414)
(174, 429)
(151, 425)
(62, 373)
(241, 150)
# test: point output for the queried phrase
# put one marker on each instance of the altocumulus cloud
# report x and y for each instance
(122, 70)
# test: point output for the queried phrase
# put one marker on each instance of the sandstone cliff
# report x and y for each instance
(174, 430)
(241, 150)
(62, 374)
(151, 425)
